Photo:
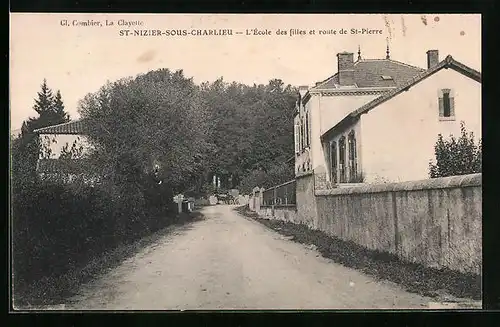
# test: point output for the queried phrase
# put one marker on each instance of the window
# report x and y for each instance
(297, 137)
(302, 133)
(446, 105)
(307, 129)
(342, 168)
(352, 157)
(333, 162)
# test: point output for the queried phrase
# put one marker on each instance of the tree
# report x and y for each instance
(50, 109)
(59, 107)
(156, 118)
(26, 149)
(456, 156)
(45, 100)
(253, 127)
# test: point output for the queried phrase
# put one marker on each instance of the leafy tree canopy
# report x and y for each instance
(192, 131)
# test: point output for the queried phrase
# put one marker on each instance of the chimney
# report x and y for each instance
(432, 58)
(346, 68)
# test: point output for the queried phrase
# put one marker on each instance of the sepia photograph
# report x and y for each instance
(245, 162)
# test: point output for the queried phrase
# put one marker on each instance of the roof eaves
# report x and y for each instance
(464, 69)
(356, 89)
(47, 129)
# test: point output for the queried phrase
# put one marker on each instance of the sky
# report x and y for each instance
(78, 60)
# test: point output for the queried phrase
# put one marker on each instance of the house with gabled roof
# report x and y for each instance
(64, 150)
(377, 120)
(57, 143)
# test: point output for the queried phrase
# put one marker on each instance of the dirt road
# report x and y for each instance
(229, 262)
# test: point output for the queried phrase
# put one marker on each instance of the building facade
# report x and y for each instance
(377, 120)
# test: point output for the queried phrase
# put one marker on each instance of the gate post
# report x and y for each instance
(260, 199)
(255, 194)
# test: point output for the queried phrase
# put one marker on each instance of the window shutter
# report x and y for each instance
(302, 133)
(441, 107)
(305, 131)
(452, 106)
(297, 138)
(309, 127)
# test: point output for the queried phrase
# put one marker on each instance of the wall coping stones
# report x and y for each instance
(426, 184)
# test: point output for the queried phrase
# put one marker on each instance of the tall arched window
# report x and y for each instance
(353, 169)
(333, 162)
(342, 161)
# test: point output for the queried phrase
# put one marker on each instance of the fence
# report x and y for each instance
(280, 195)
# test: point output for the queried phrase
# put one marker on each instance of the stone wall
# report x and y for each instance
(434, 222)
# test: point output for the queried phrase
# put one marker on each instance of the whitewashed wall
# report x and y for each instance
(398, 136)
(56, 142)
(333, 109)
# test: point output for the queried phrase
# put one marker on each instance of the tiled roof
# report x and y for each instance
(448, 62)
(369, 72)
(62, 166)
(72, 127)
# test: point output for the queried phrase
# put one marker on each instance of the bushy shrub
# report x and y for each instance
(456, 156)
(57, 227)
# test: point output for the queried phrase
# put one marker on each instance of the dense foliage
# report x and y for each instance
(155, 119)
(191, 132)
(456, 156)
(278, 174)
(253, 128)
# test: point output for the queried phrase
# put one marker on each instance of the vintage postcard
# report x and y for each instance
(245, 161)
